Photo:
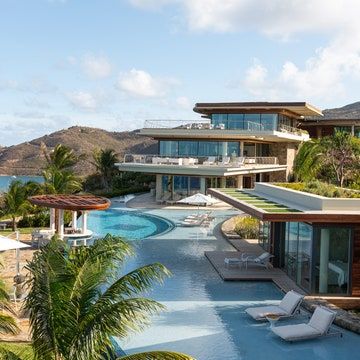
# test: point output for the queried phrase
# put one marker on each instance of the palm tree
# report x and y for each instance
(77, 304)
(15, 201)
(7, 322)
(337, 156)
(62, 157)
(60, 182)
(104, 161)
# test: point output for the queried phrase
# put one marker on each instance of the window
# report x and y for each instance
(269, 121)
(169, 148)
(235, 121)
(331, 260)
(252, 122)
(346, 129)
(357, 131)
(218, 119)
(208, 148)
(188, 148)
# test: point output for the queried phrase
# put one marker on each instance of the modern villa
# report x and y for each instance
(233, 145)
(234, 153)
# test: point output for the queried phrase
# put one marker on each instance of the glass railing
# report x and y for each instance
(228, 161)
(205, 124)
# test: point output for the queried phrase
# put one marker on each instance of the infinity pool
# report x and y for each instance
(131, 225)
(205, 315)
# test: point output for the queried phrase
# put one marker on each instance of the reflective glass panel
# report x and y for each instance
(208, 148)
(236, 121)
(252, 122)
(268, 121)
(331, 260)
(188, 148)
(169, 148)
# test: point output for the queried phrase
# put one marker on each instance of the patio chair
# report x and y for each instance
(318, 326)
(210, 160)
(288, 307)
(225, 160)
(261, 260)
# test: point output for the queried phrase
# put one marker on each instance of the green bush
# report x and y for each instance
(247, 228)
(40, 219)
(121, 192)
(320, 188)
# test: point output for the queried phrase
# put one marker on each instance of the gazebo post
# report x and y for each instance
(52, 219)
(74, 220)
(61, 224)
(84, 222)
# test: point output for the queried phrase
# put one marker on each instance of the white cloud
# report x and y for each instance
(184, 102)
(150, 4)
(276, 17)
(96, 67)
(139, 83)
(84, 100)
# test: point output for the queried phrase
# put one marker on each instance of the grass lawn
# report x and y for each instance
(28, 230)
(18, 348)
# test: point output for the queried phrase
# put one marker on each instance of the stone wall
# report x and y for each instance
(285, 152)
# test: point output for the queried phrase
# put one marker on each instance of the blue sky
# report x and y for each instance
(115, 63)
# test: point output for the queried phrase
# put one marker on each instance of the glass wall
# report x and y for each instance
(248, 121)
(331, 260)
(199, 148)
(264, 235)
(317, 258)
(183, 185)
(357, 131)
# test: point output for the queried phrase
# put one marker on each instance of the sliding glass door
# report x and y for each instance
(332, 260)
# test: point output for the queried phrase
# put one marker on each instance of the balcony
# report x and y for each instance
(199, 165)
(204, 128)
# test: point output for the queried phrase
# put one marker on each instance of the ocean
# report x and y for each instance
(6, 180)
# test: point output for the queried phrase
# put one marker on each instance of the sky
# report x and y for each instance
(115, 63)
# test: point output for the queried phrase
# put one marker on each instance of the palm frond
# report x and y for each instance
(157, 355)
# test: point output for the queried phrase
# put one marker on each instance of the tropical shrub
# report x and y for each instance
(247, 227)
(78, 302)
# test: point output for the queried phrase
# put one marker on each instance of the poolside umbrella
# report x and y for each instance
(10, 244)
(198, 199)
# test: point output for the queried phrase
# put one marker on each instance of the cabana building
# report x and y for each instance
(314, 239)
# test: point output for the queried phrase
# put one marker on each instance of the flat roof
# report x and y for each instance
(298, 109)
(267, 209)
(71, 202)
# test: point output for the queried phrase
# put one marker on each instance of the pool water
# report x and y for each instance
(205, 315)
(131, 225)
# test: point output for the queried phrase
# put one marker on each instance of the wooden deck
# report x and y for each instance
(252, 273)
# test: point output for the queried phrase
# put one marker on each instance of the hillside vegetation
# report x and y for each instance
(28, 158)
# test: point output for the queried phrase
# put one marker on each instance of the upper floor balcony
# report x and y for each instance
(207, 129)
(199, 165)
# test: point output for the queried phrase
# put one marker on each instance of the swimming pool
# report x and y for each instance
(132, 225)
(205, 315)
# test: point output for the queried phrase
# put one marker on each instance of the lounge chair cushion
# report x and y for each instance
(296, 332)
(322, 319)
(260, 312)
(290, 302)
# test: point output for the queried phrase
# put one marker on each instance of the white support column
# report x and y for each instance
(52, 220)
(61, 224)
(74, 220)
(223, 182)
(84, 222)
(241, 148)
(239, 181)
(159, 189)
(202, 185)
(324, 260)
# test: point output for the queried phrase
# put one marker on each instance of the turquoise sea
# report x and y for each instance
(6, 180)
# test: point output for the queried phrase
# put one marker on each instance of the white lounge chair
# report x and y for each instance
(318, 326)
(210, 160)
(261, 260)
(225, 160)
(288, 307)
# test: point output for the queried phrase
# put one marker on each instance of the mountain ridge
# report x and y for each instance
(28, 159)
